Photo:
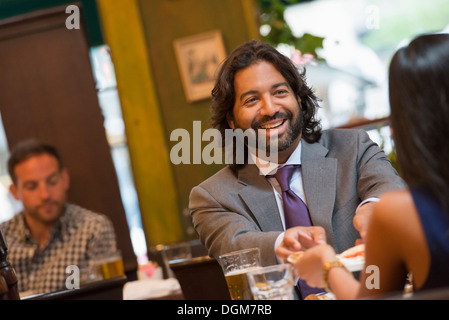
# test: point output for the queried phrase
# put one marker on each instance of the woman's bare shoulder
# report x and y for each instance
(395, 213)
(398, 201)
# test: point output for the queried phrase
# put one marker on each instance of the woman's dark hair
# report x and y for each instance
(419, 99)
(27, 149)
(252, 52)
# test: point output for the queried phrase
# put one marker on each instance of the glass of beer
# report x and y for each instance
(274, 282)
(235, 265)
(111, 266)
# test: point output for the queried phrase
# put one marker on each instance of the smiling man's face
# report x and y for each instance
(264, 100)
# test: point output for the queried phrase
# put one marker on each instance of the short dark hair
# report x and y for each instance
(419, 100)
(252, 52)
(26, 149)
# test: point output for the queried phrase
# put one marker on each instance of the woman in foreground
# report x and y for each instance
(409, 229)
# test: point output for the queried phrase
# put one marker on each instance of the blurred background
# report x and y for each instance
(109, 94)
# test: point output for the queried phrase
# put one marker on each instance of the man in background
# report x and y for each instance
(49, 234)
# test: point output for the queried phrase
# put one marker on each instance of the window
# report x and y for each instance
(361, 37)
(115, 132)
(8, 205)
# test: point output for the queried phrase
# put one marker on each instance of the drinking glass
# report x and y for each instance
(274, 282)
(235, 265)
(111, 265)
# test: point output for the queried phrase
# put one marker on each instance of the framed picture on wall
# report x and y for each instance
(199, 57)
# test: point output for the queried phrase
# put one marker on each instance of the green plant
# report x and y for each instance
(277, 30)
(392, 154)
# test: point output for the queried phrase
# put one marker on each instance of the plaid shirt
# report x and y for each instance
(79, 236)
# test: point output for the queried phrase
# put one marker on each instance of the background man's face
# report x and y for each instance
(42, 187)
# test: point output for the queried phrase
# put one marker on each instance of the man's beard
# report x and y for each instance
(38, 214)
(290, 135)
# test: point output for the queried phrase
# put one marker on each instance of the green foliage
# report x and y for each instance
(392, 155)
(272, 15)
(393, 159)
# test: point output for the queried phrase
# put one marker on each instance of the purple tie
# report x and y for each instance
(295, 210)
(295, 214)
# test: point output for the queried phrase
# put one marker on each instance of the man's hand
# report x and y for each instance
(300, 238)
(362, 216)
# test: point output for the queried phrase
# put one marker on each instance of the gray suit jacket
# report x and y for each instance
(236, 210)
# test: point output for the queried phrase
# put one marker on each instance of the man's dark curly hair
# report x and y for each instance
(253, 52)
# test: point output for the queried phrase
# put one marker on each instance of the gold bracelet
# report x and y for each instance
(326, 267)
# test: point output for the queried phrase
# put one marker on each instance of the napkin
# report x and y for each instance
(150, 288)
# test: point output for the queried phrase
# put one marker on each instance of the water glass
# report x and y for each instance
(272, 283)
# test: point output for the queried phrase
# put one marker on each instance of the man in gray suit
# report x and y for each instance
(341, 172)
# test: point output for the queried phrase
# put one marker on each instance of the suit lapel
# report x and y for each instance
(258, 195)
(320, 182)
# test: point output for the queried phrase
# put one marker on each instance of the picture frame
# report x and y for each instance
(199, 57)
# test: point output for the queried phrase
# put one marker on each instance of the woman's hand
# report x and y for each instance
(310, 266)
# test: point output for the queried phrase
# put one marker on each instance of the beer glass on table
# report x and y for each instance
(235, 265)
